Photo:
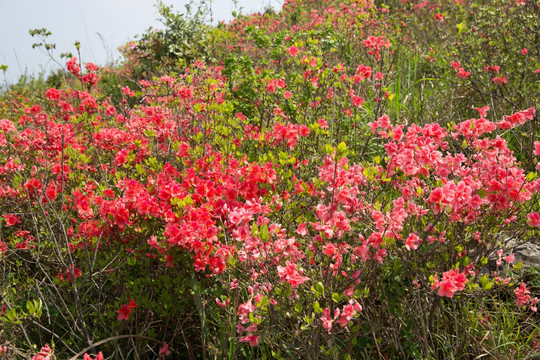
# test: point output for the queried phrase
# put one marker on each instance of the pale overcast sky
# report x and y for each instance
(117, 21)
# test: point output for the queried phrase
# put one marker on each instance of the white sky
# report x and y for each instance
(117, 21)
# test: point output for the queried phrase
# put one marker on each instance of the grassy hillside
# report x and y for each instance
(333, 180)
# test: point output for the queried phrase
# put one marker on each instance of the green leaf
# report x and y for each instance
(264, 232)
(486, 284)
(149, 133)
(328, 149)
(264, 302)
(17, 179)
(11, 315)
(320, 288)
(337, 297)
(30, 307)
(341, 148)
(365, 292)
(252, 318)
(531, 176)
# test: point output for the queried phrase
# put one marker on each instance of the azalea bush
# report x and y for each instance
(185, 38)
(332, 185)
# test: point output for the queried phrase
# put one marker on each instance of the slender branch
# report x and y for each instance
(113, 338)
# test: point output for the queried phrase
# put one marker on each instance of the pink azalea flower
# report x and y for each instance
(536, 148)
(293, 51)
(43, 354)
(483, 111)
(222, 304)
(523, 296)
(534, 219)
(451, 282)
(413, 242)
(99, 356)
(322, 124)
(447, 288)
(510, 258)
(302, 230)
(252, 339)
(462, 74)
(290, 274)
(164, 350)
(500, 80)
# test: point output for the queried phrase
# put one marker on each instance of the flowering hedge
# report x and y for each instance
(330, 189)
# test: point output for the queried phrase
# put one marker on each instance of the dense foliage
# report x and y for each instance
(335, 180)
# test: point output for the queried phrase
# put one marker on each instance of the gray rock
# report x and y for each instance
(527, 251)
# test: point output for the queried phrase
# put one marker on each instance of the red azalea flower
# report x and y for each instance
(123, 312)
(12, 219)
